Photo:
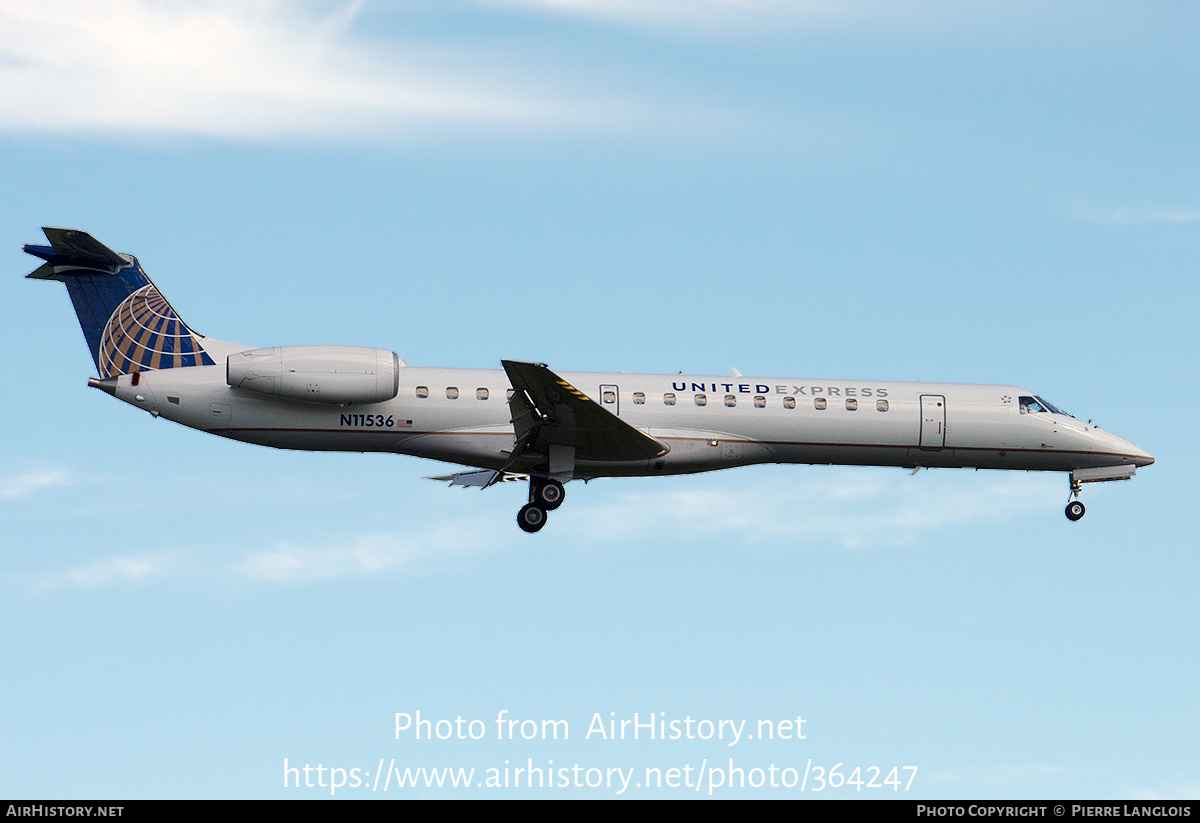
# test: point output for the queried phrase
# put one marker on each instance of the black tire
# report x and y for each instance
(550, 495)
(531, 517)
(1075, 510)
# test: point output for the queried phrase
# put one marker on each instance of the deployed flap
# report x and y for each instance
(547, 410)
(482, 478)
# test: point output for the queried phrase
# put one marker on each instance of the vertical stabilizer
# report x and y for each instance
(128, 324)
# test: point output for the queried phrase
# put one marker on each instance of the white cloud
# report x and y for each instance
(24, 484)
(1007, 777)
(114, 571)
(1176, 791)
(1138, 213)
(707, 14)
(253, 69)
(361, 555)
(852, 509)
(1019, 778)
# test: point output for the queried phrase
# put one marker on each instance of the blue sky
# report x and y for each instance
(976, 192)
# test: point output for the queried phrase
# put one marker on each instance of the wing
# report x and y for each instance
(551, 418)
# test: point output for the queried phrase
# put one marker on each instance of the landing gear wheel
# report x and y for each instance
(1075, 510)
(531, 517)
(550, 495)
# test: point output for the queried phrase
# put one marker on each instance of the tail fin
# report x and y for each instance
(128, 324)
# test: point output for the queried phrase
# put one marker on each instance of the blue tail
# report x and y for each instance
(128, 324)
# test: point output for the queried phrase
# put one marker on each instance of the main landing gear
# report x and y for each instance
(544, 496)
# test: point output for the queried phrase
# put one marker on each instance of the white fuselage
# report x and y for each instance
(461, 416)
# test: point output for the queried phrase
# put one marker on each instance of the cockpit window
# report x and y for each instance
(1033, 405)
(1052, 408)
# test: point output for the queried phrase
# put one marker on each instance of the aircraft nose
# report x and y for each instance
(1129, 452)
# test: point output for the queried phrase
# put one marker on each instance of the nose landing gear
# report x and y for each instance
(544, 496)
(1101, 474)
(1074, 506)
(1075, 510)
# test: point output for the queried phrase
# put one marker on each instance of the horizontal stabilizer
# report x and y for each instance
(71, 247)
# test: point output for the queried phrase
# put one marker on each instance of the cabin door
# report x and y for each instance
(933, 422)
(610, 399)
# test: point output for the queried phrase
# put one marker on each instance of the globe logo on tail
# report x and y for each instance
(145, 333)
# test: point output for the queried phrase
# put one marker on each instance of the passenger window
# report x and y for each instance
(609, 396)
(668, 399)
(819, 403)
(452, 393)
(851, 404)
(881, 405)
(639, 398)
(731, 400)
(760, 402)
(422, 391)
(701, 400)
(481, 394)
(508, 394)
(789, 402)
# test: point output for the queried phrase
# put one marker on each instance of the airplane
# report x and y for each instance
(527, 422)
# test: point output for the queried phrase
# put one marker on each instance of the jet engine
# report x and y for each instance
(317, 374)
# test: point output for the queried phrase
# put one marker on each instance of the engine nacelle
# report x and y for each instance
(317, 374)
